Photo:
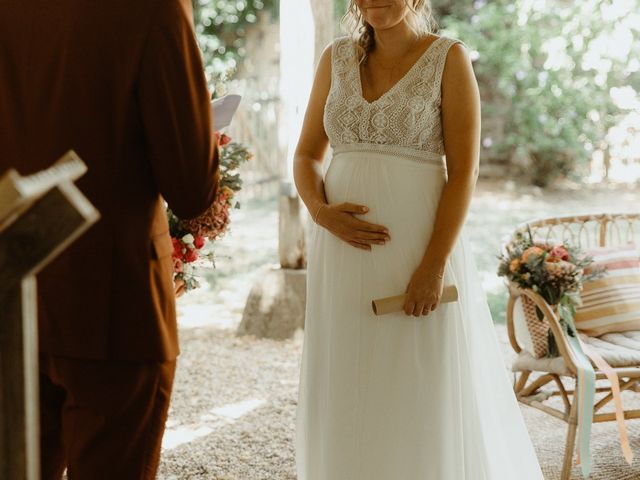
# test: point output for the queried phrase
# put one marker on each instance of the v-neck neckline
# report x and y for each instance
(400, 80)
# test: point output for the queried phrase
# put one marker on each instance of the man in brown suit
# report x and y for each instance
(122, 83)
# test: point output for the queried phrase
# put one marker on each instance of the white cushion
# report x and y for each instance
(618, 350)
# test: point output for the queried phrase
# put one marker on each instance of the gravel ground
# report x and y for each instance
(234, 407)
(233, 414)
(233, 410)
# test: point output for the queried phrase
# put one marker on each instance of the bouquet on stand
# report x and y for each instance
(192, 237)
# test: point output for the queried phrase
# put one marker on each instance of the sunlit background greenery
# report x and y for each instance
(222, 25)
(560, 73)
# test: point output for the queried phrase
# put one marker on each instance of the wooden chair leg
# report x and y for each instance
(521, 382)
(568, 453)
(571, 441)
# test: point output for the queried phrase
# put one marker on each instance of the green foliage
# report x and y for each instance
(340, 8)
(221, 27)
(547, 68)
(232, 156)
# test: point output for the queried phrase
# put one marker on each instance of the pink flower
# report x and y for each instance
(178, 266)
(559, 252)
(224, 140)
(199, 242)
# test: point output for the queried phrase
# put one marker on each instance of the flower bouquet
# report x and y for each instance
(555, 272)
(191, 237)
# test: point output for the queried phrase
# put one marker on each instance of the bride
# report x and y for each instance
(421, 394)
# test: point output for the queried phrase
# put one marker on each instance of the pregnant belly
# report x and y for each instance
(402, 195)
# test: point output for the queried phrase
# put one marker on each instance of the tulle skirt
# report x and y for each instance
(397, 397)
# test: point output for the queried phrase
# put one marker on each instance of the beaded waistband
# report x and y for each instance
(420, 156)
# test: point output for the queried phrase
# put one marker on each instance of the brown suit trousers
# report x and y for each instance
(122, 83)
(103, 420)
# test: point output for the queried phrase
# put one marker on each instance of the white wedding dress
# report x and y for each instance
(396, 397)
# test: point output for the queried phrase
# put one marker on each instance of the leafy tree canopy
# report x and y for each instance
(562, 68)
(221, 27)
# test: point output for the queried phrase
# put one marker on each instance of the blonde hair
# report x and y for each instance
(420, 19)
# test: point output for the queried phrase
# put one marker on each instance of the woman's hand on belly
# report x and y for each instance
(340, 220)
(423, 292)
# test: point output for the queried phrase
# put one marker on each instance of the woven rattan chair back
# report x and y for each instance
(587, 231)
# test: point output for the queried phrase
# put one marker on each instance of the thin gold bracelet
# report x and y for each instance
(315, 217)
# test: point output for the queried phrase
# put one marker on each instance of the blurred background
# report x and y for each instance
(560, 83)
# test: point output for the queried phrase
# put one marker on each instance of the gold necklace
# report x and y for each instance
(393, 67)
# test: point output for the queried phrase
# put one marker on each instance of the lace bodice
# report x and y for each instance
(407, 115)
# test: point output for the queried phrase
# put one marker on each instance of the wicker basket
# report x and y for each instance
(539, 328)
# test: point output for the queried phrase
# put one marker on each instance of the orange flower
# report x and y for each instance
(535, 251)
(514, 265)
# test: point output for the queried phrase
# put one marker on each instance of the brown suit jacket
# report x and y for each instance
(122, 83)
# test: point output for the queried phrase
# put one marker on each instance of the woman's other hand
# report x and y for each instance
(424, 291)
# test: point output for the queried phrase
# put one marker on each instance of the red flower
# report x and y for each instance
(177, 248)
(224, 140)
(198, 242)
(191, 255)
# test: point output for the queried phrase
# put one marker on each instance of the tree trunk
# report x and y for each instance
(324, 25)
(291, 246)
(276, 304)
(291, 231)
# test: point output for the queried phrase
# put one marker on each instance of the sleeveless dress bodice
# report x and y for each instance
(407, 116)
